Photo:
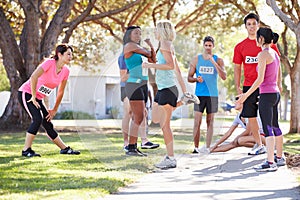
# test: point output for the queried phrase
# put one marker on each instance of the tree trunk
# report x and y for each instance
(295, 97)
(14, 117)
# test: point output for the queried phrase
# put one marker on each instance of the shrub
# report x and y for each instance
(73, 115)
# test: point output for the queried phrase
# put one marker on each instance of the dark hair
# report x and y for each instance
(251, 16)
(209, 39)
(268, 35)
(61, 48)
(127, 34)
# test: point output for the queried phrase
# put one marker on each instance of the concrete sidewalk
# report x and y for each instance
(227, 176)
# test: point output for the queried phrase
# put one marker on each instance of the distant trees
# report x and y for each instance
(30, 29)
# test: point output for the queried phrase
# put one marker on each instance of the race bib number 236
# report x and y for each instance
(251, 60)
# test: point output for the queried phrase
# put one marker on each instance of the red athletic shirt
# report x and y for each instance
(245, 53)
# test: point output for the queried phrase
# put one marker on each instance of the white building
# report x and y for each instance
(92, 93)
(97, 93)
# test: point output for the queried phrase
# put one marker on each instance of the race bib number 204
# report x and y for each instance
(251, 60)
(45, 90)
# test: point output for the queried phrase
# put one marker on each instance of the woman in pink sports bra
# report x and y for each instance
(50, 74)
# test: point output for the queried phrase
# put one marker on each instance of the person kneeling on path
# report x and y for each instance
(50, 74)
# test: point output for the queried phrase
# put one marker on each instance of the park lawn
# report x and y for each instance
(101, 169)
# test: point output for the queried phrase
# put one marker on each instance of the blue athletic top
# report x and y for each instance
(134, 65)
(122, 65)
(164, 78)
(206, 69)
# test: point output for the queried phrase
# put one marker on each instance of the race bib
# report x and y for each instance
(206, 70)
(251, 60)
(45, 90)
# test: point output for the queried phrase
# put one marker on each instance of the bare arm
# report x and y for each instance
(237, 78)
(34, 79)
(179, 77)
(192, 71)
(262, 62)
(60, 94)
(219, 65)
(132, 47)
(279, 79)
(168, 52)
(226, 135)
(123, 75)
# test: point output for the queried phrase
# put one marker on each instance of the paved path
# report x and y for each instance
(227, 176)
(218, 176)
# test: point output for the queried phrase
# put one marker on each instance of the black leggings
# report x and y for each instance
(38, 115)
(268, 111)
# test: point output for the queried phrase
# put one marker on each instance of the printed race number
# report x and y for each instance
(206, 70)
(45, 90)
(250, 60)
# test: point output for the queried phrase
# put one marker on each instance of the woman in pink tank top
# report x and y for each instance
(269, 83)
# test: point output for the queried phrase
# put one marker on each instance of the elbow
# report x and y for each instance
(224, 76)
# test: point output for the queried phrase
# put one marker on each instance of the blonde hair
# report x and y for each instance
(166, 30)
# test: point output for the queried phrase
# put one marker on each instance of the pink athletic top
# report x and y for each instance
(48, 81)
(269, 84)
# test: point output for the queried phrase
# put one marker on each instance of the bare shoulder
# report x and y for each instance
(131, 45)
(166, 45)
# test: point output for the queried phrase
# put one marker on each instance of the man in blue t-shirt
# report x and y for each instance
(206, 67)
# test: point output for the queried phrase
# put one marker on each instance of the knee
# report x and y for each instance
(52, 134)
(138, 120)
(50, 129)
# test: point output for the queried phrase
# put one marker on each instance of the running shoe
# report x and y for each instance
(30, 153)
(196, 150)
(188, 98)
(266, 167)
(279, 161)
(135, 152)
(166, 163)
(254, 147)
(126, 148)
(258, 150)
(149, 145)
(69, 150)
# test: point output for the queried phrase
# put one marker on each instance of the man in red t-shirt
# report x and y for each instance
(245, 54)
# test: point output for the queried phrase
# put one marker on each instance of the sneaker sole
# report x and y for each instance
(280, 165)
(136, 155)
(266, 170)
(149, 147)
(166, 167)
(252, 154)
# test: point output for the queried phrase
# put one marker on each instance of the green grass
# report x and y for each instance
(102, 168)
(292, 143)
(292, 146)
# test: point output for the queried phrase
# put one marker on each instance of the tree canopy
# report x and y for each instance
(30, 29)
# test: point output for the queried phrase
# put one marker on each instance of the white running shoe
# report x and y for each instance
(188, 98)
(266, 167)
(280, 161)
(258, 150)
(167, 163)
